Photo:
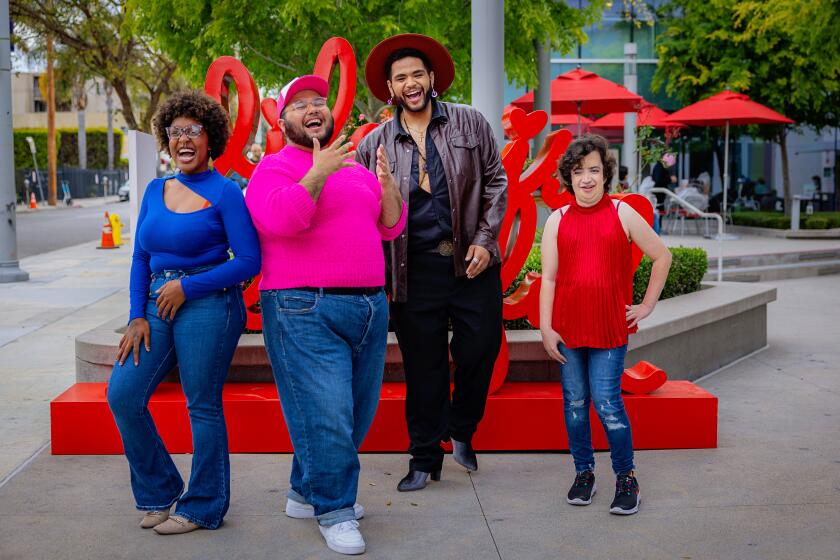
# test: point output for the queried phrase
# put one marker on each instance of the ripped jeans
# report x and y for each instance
(593, 375)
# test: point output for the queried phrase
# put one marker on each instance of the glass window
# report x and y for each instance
(606, 40)
(659, 98)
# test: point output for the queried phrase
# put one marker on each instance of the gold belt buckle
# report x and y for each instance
(446, 248)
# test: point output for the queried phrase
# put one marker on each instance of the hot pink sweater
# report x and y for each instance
(334, 242)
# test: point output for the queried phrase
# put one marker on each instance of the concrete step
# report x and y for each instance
(776, 266)
(782, 271)
(773, 259)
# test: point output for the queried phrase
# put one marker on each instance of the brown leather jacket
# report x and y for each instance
(475, 176)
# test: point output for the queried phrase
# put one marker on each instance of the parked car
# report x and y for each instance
(123, 192)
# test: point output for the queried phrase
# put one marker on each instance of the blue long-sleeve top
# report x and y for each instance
(167, 240)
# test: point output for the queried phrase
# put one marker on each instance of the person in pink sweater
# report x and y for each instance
(321, 219)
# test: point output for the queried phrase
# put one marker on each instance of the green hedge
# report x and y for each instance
(68, 147)
(23, 157)
(688, 267)
(97, 147)
(777, 220)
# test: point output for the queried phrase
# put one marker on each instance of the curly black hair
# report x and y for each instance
(199, 106)
(581, 148)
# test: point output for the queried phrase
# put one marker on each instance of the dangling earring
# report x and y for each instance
(434, 93)
(390, 101)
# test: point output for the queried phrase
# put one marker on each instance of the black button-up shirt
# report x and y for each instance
(429, 214)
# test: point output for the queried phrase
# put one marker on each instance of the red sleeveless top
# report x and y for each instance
(594, 277)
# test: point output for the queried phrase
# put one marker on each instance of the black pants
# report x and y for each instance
(474, 307)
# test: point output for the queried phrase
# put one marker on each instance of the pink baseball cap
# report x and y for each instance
(309, 82)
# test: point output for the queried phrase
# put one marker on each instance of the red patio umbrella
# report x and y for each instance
(649, 115)
(564, 120)
(723, 109)
(580, 91)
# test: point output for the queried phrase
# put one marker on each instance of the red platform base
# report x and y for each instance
(519, 417)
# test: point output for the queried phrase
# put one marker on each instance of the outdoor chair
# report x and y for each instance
(678, 214)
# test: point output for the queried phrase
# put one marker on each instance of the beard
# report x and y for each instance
(297, 134)
(402, 104)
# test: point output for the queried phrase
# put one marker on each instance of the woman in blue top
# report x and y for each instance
(186, 309)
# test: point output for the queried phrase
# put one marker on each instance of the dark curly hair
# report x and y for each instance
(400, 54)
(581, 148)
(199, 106)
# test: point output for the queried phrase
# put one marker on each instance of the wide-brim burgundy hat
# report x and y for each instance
(438, 56)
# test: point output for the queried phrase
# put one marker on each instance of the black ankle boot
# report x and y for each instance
(416, 480)
(464, 455)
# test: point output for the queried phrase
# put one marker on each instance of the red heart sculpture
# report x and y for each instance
(337, 51)
(221, 73)
(519, 124)
(642, 379)
(274, 139)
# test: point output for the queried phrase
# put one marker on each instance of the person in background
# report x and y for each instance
(662, 176)
(587, 312)
(255, 154)
(623, 184)
(186, 310)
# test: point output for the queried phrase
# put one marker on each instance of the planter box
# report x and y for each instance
(688, 336)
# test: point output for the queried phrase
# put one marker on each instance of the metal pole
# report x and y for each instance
(725, 173)
(488, 62)
(628, 149)
(723, 236)
(109, 103)
(542, 95)
(10, 270)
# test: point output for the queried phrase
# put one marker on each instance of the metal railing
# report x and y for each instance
(694, 210)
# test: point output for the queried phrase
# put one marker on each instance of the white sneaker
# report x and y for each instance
(344, 537)
(298, 510)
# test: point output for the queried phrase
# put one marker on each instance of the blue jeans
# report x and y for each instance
(201, 339)
(328, 355)
(594, 375)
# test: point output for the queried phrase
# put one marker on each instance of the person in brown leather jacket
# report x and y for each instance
(444, 268)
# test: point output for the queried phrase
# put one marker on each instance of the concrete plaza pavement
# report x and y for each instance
(770, 490)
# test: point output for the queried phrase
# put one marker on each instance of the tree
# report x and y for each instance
(100, 37)
(279, 40)
(782, 53)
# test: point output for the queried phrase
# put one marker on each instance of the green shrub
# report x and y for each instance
(777, 220)
(821, 220)
(66, 140)
(688, 267)
(23, 156)
(773, 220)
(97, 147)
(815, 222)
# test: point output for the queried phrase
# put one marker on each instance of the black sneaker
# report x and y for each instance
(581, 492)
(627, 499)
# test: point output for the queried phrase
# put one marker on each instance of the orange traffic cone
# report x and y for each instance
(32, 202)
(107, 235)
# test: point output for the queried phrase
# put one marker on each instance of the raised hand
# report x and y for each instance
(383, 170)
(330, 159)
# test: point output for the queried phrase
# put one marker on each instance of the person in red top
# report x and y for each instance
(586, 311)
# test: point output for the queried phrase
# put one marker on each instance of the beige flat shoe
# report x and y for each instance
(154, 518)
(176, 525)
